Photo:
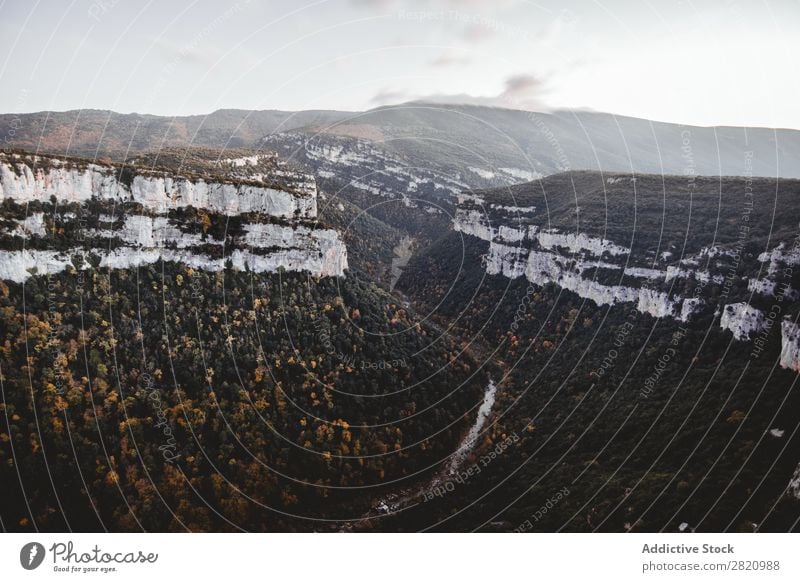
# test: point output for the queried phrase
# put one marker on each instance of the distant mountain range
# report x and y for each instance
(471, 144)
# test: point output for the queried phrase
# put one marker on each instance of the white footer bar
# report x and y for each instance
(400, 557)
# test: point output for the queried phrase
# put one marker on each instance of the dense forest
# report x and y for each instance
(171, 399)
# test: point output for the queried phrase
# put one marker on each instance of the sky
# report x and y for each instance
(704, 62)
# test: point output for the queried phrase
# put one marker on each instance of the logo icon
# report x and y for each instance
(31, 555)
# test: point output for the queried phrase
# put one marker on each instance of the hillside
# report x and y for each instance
(106, 134)
(186, 348)
(509, 141)
(634, 410)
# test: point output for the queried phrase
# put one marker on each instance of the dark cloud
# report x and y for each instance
(522, 87)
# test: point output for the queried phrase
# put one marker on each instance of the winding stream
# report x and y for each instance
(402, 254)
(469, 441)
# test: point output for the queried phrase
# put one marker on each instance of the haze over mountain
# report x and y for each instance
(473, 141)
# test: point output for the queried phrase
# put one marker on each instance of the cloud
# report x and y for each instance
(190, 54)
(477, 33)
(387, 96)
(521, 91)
(450, 60)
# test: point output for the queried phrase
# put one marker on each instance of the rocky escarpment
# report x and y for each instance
(366, 167)
(378, 169)
(148, 215)
(790, 345)
(519, 247)
(748, 291)
(38, 178)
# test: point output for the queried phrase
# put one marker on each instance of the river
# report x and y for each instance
(471, 439)
(402, 254)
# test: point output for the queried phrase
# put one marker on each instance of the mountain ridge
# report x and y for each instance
(454, 137)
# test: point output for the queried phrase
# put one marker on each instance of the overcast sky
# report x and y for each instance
(723, 62)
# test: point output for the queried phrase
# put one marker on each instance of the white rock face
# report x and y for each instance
(689, 307)
(513, 209)
(644, 273)
(674, 272)
(163, 194)
(151, 232)
(23, 184)
(511, 234)
(17, 266)
(742, 319)
(263, 247)
(21, 181)
(32, 225)
(245, 161)
(524, 175)
(325, 256)
(656, 303)
(790, 346)
(794, 484)
(520, 247)
(777, 281)
(506, 260)
(762, 286)
(552, 239)
(319, 251)
(780, 256)
(544, 267)
(485, 174)
(473, 222)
